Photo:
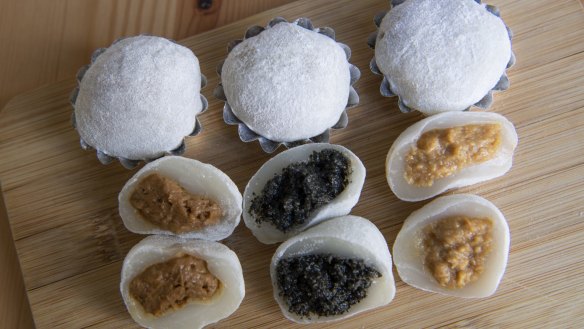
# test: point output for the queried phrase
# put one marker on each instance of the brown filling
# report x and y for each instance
(456, 249)
(170, 285)
(440, 153)
(166, 204)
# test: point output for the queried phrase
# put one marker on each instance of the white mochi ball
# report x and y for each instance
(287, 83)
(139, 99)
(442, 55)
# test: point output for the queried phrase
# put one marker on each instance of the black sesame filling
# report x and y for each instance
(323, 284)
(288, 199)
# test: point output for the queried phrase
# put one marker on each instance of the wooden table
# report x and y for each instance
(46, 41)
(541, 196)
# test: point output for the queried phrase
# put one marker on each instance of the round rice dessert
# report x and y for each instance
(287, 83)
(138, 99)
(444, 55)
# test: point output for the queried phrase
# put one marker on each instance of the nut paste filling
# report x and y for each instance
(440, 153)
(288, 199)
(456, 249)
(164, 203)
(170, 285)
(323, 284)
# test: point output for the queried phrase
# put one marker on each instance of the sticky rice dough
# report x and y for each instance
(285, 199)
(288, 83)
(398, 166)
(199, 180)
(411, 257)
(220, 262)
(442, 55)
(324, 298)
(139, 98)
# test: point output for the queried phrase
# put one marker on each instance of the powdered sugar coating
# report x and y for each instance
(287, 83)
(139, 99)
(442, 55)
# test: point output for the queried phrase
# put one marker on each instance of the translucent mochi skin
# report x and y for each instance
(442, 55)
(408, 250)
(221, 262)
(341, 205)
(196, 178)
(349, 237)
(497, 166)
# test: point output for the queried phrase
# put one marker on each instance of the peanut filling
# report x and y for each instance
(440, 153)
(172, 284)
(164, 203)
(456, 249)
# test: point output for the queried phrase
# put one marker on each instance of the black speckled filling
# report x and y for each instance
(289, 198)
(323, 284)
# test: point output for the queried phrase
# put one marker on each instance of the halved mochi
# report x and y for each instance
(275, 218)
(500, 162)
(410, 247)
(220, 262)
(339, 246)
(202, 181)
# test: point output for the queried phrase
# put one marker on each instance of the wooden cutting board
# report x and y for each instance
(62, 204)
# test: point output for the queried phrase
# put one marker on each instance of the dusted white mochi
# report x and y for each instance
(442, 55)
(346, 237)
(409, 257)
(498, 166)
(341, 205)
(287, 83)
(221, 262)
(196, 178)
(139, 99)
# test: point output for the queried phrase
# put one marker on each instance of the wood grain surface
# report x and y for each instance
(62, 204)
(14, 308)
(45, 41)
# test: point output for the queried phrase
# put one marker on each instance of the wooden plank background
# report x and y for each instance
(71, 242)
